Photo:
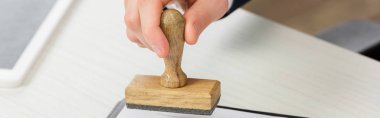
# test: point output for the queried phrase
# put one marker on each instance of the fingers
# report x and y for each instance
(150, 13)
(200, 15)
(143, 24)
(143, 21)
(132, 20)
(134, 38)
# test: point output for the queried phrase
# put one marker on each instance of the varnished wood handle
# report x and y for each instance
(173, 26)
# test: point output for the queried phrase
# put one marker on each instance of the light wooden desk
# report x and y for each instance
(262, 65)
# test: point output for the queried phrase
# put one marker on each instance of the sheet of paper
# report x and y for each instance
(218, 113)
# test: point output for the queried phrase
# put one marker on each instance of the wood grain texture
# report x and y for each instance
(173, 26)
(197, 94)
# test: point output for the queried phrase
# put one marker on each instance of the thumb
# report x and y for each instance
(200, 15)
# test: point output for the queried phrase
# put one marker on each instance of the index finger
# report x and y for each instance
(150, 13)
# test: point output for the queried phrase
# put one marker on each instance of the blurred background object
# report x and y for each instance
(351, 24)
(25, 28)
(19, 21)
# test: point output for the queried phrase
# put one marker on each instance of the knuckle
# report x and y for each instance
(141, 45)
(132, 38)
(131, 21)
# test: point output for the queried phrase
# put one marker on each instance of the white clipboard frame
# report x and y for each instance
(14, 77)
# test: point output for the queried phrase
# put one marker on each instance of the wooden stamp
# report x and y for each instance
(173, 91)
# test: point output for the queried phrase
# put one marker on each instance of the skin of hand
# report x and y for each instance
(142, 18)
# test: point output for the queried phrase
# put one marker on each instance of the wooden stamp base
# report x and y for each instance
(199, 94)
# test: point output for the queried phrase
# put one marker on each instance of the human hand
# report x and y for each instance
(142, 18)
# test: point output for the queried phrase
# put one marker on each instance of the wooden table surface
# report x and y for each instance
(262, 65)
